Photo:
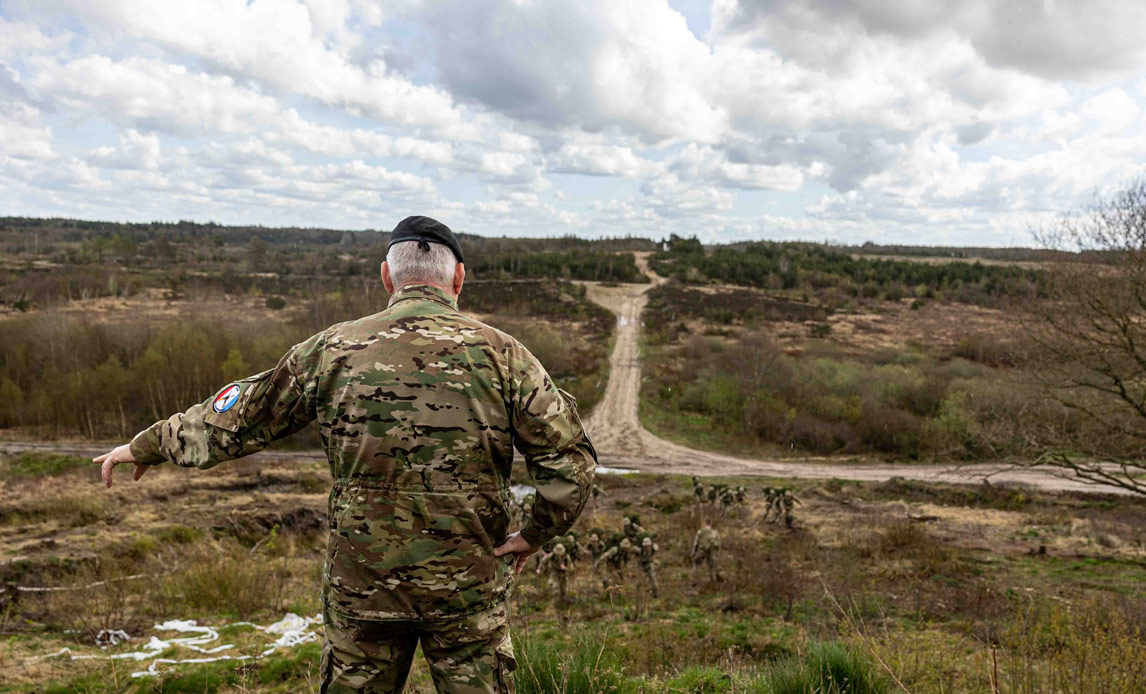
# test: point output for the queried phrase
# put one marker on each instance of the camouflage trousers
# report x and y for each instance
(469, 655)
(706, 556)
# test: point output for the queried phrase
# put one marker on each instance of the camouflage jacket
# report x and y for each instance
(419, 408)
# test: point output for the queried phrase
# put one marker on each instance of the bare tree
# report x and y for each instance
(1090, 337)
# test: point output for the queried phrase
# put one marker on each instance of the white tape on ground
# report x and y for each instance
(292, 630)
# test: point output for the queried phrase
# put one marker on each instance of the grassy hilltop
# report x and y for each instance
(772, 350)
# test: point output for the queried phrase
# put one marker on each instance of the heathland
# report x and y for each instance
(785, 352)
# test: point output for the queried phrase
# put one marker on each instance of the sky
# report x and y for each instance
(891, 121)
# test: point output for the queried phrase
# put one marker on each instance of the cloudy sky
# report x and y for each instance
(887, 120)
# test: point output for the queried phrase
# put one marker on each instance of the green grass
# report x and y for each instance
(40, 464)
(825, 668)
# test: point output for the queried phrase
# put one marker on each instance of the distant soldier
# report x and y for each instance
(516, 515)
(597, 491)
(595, 546)
(741, 494)
(420, 409)
(787, 502)
(556, 565)
(727, 499)
(699, 492)
(573, 547)
(631, 529)
(704, 548)
(771, 501)
(647, 556)
(616, 558)
(712, 494)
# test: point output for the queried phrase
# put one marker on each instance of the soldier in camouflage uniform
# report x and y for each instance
(699, 491)
(616, 558)
(787, 501)
(704, 548)
(646, 554)
(727, 498)
(631, 529)
(770, 501)
(419, 408)
(573, 547)
(557, 565)
(594, 545)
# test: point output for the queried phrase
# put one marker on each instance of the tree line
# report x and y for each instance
(813, 267)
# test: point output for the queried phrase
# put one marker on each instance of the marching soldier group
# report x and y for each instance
(780, 502)
(718, 495)
(612, 553)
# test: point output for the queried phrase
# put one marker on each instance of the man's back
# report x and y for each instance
(420, 408)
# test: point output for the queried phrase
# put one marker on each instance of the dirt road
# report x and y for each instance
(622, 442)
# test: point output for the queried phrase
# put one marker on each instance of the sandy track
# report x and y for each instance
(621, 441)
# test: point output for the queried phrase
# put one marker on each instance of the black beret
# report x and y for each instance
(425, 229)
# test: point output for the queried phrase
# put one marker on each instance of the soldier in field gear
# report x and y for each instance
(616, 558)
(631, 529)
(594, 545)
(699, 492)
(787, 502)
(557, 565)
(713, 493)
(704, 548)
(770, 499)
(572, 546)
(741, 494)
(646, 554)
(420, 409)
(727, 498)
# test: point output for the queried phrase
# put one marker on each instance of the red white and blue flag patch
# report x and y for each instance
(226, 398)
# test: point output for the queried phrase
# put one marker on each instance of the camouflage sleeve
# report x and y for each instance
(559, 457)
(242, 418)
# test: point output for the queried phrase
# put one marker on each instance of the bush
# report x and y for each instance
(275, 303)
(41, 464)
(583, 667)
(986, 349)
(820, 330)
(826, 668)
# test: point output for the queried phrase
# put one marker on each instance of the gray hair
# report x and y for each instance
(411, 265)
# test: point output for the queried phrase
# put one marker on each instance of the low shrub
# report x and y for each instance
(825, 668)
(42, 464)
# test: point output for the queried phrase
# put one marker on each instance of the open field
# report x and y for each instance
(930, 561)
(1051, 583)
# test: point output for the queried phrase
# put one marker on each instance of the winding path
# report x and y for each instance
(622, 442)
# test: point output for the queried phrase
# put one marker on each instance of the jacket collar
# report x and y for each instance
(423, 291)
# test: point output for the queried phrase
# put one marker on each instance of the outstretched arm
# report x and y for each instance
(243, 418)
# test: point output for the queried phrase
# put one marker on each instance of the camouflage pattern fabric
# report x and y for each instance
(419, 408)
(470, 655)
(704, 548)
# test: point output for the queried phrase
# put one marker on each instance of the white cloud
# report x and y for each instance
(944, 120)
(150, 94)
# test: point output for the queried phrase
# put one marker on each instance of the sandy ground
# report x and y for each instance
(621, 441)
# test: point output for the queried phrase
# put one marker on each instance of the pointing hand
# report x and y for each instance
(120, 454)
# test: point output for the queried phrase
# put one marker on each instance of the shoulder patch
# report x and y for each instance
(226, 398)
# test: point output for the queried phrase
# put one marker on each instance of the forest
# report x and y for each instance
(815, 268)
